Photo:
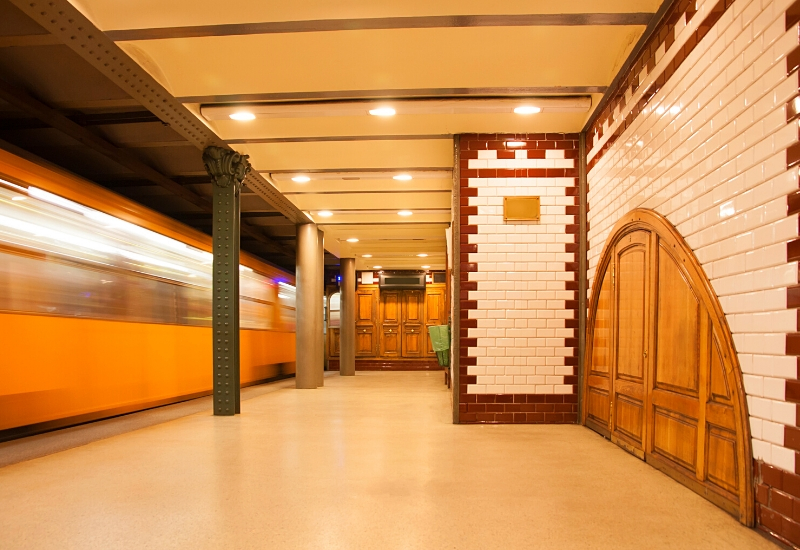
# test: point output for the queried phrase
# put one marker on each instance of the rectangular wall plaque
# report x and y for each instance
(517, 209)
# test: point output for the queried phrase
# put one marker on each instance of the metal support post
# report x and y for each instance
(227, 168)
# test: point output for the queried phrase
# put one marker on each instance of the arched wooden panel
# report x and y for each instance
(662, 376)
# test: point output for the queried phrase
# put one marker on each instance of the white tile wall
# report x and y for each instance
(521, 281)
(708, 153)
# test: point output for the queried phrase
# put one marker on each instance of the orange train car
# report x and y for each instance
(105, 305)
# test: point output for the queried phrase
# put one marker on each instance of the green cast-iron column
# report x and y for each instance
(227, 168)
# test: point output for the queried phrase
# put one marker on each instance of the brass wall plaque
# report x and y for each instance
(517, 209)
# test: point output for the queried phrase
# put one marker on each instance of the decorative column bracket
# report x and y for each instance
(228, 169)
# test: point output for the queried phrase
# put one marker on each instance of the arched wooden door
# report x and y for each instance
(662, 378)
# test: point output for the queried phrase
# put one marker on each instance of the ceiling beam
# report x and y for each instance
(385, 23)
(69, 25)
(21, 100)
(24, 102)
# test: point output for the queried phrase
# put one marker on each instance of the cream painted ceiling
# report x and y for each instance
(354, 54)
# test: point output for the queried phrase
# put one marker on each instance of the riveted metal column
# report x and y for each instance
(228, 169)
(320, 328)
(347, 326)
(308, 304)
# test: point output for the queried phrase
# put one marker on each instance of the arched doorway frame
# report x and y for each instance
(649, 220)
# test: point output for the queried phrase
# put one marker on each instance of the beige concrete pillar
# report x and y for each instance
(320, 319)
(308, 306)
(347, 325)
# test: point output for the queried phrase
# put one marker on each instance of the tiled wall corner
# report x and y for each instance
(518, 341)
(706, 134)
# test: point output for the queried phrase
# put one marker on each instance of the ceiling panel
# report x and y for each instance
(336, 155)
(380, 59)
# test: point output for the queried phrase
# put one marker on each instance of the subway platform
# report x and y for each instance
(371, 461)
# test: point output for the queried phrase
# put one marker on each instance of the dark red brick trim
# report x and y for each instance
(664, 35)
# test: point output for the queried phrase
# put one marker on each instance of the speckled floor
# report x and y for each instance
(365, 462)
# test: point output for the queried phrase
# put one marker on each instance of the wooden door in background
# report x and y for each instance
(662, 378)
(365, 323)
(434, 314)
(390, 318)
(413, 323)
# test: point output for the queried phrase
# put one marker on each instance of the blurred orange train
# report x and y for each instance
(105, 306)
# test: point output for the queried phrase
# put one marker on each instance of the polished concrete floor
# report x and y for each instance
(365, 462)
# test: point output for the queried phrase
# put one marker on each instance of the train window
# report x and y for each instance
(58, 257)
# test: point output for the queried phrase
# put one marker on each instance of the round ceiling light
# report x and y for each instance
(366, 255)
(325, 214)
(405, 213)
(402, 177)
(242, 116)
(527, 110)
(382, 111)
(426, 267)
(352, 240)
(422, 255)
(301, 179)
(377, 266)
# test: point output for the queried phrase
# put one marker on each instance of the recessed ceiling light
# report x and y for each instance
(402, 177)
(382, 111)
(366, 255)
(325, 214)
(527, 110)
(242, 115)
(377, 266)
(405, 213)
(422, 255)
(352, 240)
(426, 267)
(301, 179)
(18, 198)
(515, 144)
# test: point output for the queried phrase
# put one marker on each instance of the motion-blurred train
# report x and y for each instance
(105, 306)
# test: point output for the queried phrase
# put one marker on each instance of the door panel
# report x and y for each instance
(390, 307)
(413, 343)
(599, 382)
(675, 438)
(630, 280)
(721, 465)
(678, 321)
(662, 379)
(390, 342)
(366, 346)
(630, 362)
(434, 315)
(364, 307)
(365, 342)
(333, 343)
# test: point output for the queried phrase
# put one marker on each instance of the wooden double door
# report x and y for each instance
(662, 379)
(403, 324)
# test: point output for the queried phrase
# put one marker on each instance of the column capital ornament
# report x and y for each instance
(225, 166)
